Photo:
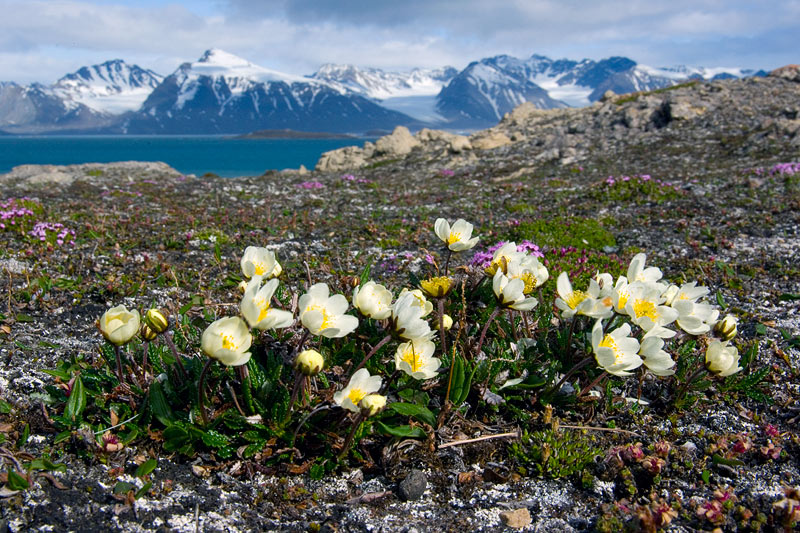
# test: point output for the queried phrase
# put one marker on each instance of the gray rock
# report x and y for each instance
(413, 486)
(400, 142)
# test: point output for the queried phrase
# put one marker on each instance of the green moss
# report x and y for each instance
(559, 232)
(632, 97)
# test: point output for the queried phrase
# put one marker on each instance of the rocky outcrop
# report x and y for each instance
(788, 72)
(400, 142)
(59, 175)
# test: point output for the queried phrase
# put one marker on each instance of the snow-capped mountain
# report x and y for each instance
(381, 85)
(112, 87)
(413, 93)
(480, 94)
(223, 93)
(487, 89)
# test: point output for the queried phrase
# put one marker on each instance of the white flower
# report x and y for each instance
(615, 352)
(260, 262)
(645, 309)
(418, 300)
(255, 306)
(324, 315)
(406, 319)
(510, 293)
(529, 270)
(227, 340)
(695, 318)
(572, 302)
(655, 358)
(415, 358)
(722, 358)
(502, 257)
(456, 237)
(606, 284)
(688, 291)
(637, 271)
(373, 300)
(360, 385)
(118, 325)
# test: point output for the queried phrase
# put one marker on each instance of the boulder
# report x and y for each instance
(400, 142)
(345, 158)
(788, 72)
(488, 139)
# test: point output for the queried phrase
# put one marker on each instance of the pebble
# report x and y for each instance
(516, 519)
(413, 486)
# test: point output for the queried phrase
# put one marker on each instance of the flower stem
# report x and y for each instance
(174, 350)
(389, 381)
(685, 387)
(360, 418)
(201, 395)
(485, 328)
(145, 348)
(447, 261)
(568, 347)
(118, 354)
(372, 352)
(299, 385)
(572, 371)
(591, 385)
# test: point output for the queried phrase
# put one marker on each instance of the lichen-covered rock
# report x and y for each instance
(488, 139)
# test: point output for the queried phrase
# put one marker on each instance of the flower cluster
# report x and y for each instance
(53, 231)
(641, 300)
(13, 211)
(310, 185)
(789, 169)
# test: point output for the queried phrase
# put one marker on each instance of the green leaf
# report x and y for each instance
(77, 401)
(786, 297)
(23, 438)
(141, 492)
(423, 414)
(459, 386)
(42, 463)
(717, 459)
(146, 467)
(401, 431)
(24, 318)
(761, 329)
(58, 373)
(175, 437)
(365, 273)
(706, 475)
(5, 407)
(721, 301)
(61, 437)
(159, 404)
(123, 487)
(215, 439)
(16, 481)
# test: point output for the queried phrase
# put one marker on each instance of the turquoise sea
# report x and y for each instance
(224, 156)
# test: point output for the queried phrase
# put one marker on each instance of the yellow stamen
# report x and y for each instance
(264, 306)
(623, 298)
(410, 357)
(609, 342)
(530, 282)
(356, 395)
(260, 268)
(435, 287)
(645, 308)
(327, 319)
(228, 343)
(575, 298)
(455, 236)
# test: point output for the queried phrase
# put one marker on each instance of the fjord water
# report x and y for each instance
(224, 156)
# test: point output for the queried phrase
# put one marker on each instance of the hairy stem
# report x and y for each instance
(372, 352)
(485, 329)
(201, 395)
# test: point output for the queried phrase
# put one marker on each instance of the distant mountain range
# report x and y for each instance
(223, 93)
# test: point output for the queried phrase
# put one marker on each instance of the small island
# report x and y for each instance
(293, 134)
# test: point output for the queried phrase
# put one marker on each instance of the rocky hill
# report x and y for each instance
(703, 178)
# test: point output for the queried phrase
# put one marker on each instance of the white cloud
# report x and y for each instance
(43, 40)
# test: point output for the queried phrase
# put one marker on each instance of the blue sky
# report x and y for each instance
(41, 40)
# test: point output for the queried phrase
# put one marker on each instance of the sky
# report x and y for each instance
(42, 40)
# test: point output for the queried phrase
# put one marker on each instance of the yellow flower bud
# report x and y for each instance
(147, 333)
(156, 320)
(447, 322)
(725, 329)
(372, 404)
(309, 362)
